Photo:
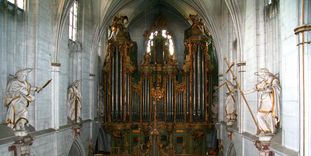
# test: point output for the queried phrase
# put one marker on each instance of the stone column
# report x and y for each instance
(303, 32)
(91, 95)
(55, 95)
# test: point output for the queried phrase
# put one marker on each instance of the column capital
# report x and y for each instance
(302, 28)
(55, 64)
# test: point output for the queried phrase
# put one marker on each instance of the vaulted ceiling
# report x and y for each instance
(207, 9)
(145, 11)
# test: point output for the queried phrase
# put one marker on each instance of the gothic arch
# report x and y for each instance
(231, 150)
(102, 142)
(237, 19)
(193, 7)
(77, 148)
(61, 18)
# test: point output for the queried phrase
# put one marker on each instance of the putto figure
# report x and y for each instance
(19, 94)
(74, 102)
(269, 90)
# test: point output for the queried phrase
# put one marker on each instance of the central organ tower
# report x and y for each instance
(159, 93)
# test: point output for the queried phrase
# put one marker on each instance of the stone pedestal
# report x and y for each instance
(21, 147)
(76, 130)
(263, 146)
(230, 123)
(21, 133)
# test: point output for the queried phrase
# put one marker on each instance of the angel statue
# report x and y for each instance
(269, 91)
(18, 95)
(230, 102)
(74, 102)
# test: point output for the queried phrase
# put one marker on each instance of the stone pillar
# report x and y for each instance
(303, 32)
(55, 95)
(91, 96)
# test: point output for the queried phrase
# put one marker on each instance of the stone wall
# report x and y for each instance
(283, 62)
(35, 38)
(52, 142)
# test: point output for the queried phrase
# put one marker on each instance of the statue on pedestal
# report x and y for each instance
(74, 101)
(19, 94)
(269, 90)
(230, 102)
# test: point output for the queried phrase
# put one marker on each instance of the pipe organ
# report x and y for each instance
(162, 76)
(117, 72)
(196, 70)
(185, 92)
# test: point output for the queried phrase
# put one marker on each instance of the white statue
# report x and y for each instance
(230, 102)
(269, 90)
(74, 101)
(19, 94)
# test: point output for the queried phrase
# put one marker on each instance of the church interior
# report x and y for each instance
(155, 77)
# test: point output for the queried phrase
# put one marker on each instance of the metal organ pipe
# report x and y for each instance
(109, 95)
(119, 87)
(116, 96)
(144, 98)
(165, 99)
(185, 104)
(204, 82)
(129, 91)
(189, 105)
(142, 103)
(199, 83)
(168, 99)
(120, 84)
(172, 99)
(150, 99)
(113, 88)
(124, 87)
(194, 86)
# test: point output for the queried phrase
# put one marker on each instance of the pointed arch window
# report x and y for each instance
(73, 21)
(163, 34)
(160, 46)
(19, 4)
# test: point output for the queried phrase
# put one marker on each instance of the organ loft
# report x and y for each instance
(160, 105)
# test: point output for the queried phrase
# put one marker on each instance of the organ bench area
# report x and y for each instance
(158, 107)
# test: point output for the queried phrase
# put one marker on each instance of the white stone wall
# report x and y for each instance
(30, 40)
(289, 74)
(255, 56)
(54, 143)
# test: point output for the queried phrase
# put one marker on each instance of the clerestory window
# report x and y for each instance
(19, 4)
(73, 21)
(168, 41)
